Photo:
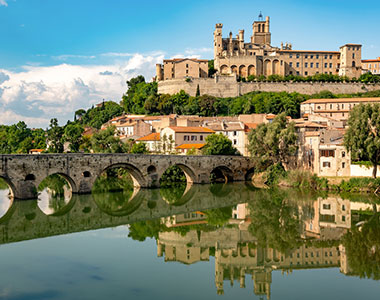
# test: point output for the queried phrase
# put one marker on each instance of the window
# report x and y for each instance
(311, 56)
(235, 142)
(343, 218)
(330, 56)
(298, 56)
(311, 65)
(325, 56)
(291, 64)
(317, 65)
(201, 138)
(235, 133)
(353, 55)
(186, 138)
(290, 55)
(343, 165)
(306, 56)
(306, 65)
(326, 164)
(327, 153)
(317, 56)
(330, 106)
(298, 65)
(193, 137)
(330, 65)
(326, 206)
(343, 207)
(306, 73)
(325, 66)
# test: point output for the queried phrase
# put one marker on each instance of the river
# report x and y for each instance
(221, 241)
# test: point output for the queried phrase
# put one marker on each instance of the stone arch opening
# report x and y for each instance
(7, 186)
(234, 69)
(134, 172)
(276, 67)
(30, 177)
(221, 174)
(55, 194)
(249, 174)
(224, 69)
(267, 67)
(259, 69)
(86, 174)
(151, 170)
(251, 70)
(243, 71)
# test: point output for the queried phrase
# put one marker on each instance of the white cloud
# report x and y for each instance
(65, 57)
(3, 3)
(40, 93)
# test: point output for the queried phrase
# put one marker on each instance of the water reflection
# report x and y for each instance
(249, 233)
(6, 198)
(54, 195)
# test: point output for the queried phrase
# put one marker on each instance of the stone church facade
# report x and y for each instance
(259, 57)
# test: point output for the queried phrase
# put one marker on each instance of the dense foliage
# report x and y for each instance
(362, 137)
(274, 142)
(218, 144)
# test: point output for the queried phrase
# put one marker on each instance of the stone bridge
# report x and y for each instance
(24, 173)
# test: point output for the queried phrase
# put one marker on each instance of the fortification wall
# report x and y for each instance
(227, 86)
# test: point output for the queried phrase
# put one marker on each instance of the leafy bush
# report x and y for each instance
(274, 173)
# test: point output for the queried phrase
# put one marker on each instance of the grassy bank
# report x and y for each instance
(276, 175)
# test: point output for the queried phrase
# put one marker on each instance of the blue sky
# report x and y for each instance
(59, 56)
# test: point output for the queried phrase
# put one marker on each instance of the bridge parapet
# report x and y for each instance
(24, 173)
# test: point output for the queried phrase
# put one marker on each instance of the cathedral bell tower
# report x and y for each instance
(261, 32)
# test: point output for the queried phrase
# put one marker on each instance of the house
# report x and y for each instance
(185, 148)
(173, 136)
(152, 141)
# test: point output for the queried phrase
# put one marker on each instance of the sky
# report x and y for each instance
(59, 56)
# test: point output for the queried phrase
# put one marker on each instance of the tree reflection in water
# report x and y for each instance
(54, 194)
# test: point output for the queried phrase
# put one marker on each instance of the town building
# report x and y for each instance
(337, 108)
(152, 141)
(182, 68)
(371, 65)
(174, 136)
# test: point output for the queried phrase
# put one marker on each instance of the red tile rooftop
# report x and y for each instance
(191, 129)
(190, 146)
(155, 136)
(339, 100)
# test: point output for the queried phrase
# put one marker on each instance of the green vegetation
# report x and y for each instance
(173, 177)
(362, 245)
(18, 138)
(105, 141)
(365, 78)
(362, 137)
(139, 148)
(218, 144)
(274, 221)
(3, 184)
(273, 143)
(113, 180)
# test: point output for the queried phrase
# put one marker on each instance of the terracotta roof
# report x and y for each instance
(270, 116)
(312, 133)
(339, 100)
(36, 150)
(249, 126)
(190, 146)
(191, 129)
(310, 124)
(371, 60)
(155, 136)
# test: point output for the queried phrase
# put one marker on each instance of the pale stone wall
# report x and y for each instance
(362, 171)
(227, 86)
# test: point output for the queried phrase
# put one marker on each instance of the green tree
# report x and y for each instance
(73, 135)
(139, 148)
(274, 142)
(211, 68)
(362, 137)
(219, 144)
(105, 141)
(55, 137)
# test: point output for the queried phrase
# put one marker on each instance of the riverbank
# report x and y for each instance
(276, 176)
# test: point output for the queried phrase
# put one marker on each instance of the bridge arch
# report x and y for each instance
(249, 174)
(136, 175)
(10, 185)
(222, 173)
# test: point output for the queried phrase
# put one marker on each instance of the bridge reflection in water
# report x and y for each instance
(249, 232)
